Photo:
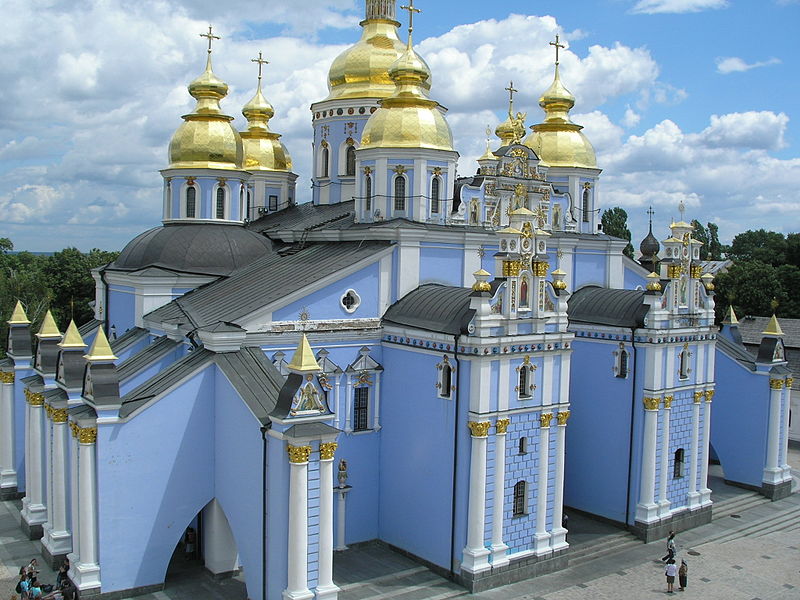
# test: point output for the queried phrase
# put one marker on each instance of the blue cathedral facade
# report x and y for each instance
(442, 363)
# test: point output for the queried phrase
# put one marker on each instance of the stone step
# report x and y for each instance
(782, 520)
(603, 548)
(410, 584)
(737, 505)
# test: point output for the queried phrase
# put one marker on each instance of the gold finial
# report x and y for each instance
(773, 327)
(18, 317)
(731, 319)
(303, 359)
(101, 349)
(49, 327)
(654, 283)
(481, 281)
(210, 37)
(557, 45)
(411, 10)
(261, 62)
(72, 337)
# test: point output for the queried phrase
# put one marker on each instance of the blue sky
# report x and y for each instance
(684, 100)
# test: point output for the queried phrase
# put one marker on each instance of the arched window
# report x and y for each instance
(399, 193)
(523, 445)
(361, 409)
(520, 493)
(350, 160)
(368, 193)
(586, 205)
(677, 466)
(683, 372)
(623, 364)
(436, 185)
(220, 211)
(323, 170)
(447, 377)
(249, 208)
(524, 382)
(191, 201)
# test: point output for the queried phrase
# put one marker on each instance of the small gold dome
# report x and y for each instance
(505, 131)
(408, 118)
(262, 148)
(206, 138)
(558, 142)
(653, 282)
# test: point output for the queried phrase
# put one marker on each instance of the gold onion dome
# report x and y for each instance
(408, 118)
(263, 149)
(206, 138)
(558, 142)
(362, 71)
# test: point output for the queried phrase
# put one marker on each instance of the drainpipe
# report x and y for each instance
(455, 460)
(630, 434)
(105, 295)
(264, 429)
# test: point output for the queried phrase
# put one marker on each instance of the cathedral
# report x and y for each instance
(436, 362)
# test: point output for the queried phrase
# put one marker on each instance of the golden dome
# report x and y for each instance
(505, 131)
(362, 71)
(206, 138)
(408, 118)
(558, 142)
(262, 148)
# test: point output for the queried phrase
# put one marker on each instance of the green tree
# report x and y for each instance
(793, 249)
(750, 287)
(789, 277)
(615, 222)
(766, 246)
(6, 245)
(714, 247)
(701, 235)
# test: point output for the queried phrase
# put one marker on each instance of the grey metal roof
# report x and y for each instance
(105, 384)
(268, 279)
(128, 339)
(152, 352)
(433, 307)
(207, 249)
(255, 379)
(88, 328)
(72, 368)
(604, 306)
(736, 352)
(6, 363)
(751, 327)
(305, 216)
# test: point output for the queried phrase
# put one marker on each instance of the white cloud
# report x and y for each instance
(30, 203)
(760, 130)
(631, 118)
(677, 6)
(734, 64)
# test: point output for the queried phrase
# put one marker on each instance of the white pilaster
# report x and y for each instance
(86, 574)
(784, 443)
(541, 538)
(297, 586)
(694, 495)
(499, 548)
(647, 509)
(705, 493)
(8, 471)
(74, 524)
(326, 589)
(773, 473)
(663, 503)
(57, 538)
(47, 436)
(35, 513)
(341, 515)
(476, 555)
(559, 534)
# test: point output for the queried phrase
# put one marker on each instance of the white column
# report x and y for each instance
(705, 493)
(376, 402)
(57, 538)
(348, 405)
(694, 495)
(476, 555)
(784, 443)
(772, 472)
(8, 462)
(297, 587)
(559, 534)
(499, 548)
(647, 509)
(36, 512)
(340, 517)
(663, 503)
(541, 538)
(74, 524)
(87, 571)
(326, 589)
(47, 435)
(26, 500)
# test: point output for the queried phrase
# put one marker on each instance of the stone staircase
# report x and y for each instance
(736, 505)
(602, 547)
(409, 584)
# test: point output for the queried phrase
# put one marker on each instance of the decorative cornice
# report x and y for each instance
(327, 450)
(651, 403)
(502, 425)
(6, 376)
(776, 384)
(87, 435)
(668, 401)
(479, 428)
(298, 454)
(34, 399)
(562, 417)
(698, 397)
(544, 420)
(709, 395)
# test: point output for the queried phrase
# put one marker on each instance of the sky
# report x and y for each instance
(684, 100)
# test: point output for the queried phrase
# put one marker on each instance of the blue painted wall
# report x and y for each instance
(121, 307)
(588, 268)
(632, 279)
(439, 264)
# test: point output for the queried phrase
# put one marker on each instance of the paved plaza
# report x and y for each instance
(750, 551)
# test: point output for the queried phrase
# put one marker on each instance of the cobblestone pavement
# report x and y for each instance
(754, 555)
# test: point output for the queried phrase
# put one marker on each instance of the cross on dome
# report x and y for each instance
(681, 209)
(557, 46)
(261, 62)
(210, 37)
(651, 212)
(511, 89)
(411, 10)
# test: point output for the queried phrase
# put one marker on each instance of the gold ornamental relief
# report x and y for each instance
(709, 395)
(73, 426)
(696, 271)
(540, 268)
(298, 454)
(502, 425)
(651, 403)
(776, 384)
(544, 420)
(698, 397)
(59, 415)
(789, 382)
(562, 417)
(87, 435)
(674, 271)
(33, 398)
(511, 268)
(668, 401)
(6, 376)
(327, 450)
(479, 428)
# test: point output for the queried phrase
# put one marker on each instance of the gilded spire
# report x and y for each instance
(730, 318)
(72, 337)
(101, 349)
(49, 328)
(773, 327)
(488, 154)
(508, 131)
(18, 317)
(303, 359)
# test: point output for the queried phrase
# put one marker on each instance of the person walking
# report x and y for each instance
(683, 575)
(670, 572)
(670, 547)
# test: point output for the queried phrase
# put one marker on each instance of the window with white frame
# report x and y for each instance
(436, 188)
(522, 445)
(586, 205)
(350, 301)
(361, 408)
(368, 193)
(324, 162)
(191, 202)
(683, 359)
(399, 193)
(678, 464)
(220, 205)
(525, 379)
(350, 160)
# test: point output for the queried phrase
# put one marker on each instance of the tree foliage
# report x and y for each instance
(615, 222)
(715, 249)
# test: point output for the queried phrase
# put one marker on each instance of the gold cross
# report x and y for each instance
(557, 46)
(511, 89)
(411, 10)
(210, 37)
(260, 62)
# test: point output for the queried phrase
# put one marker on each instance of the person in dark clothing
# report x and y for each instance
(670, 547)
(683, 575)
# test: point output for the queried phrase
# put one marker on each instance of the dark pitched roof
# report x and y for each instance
(89, 327)
(304, 216)
(603, 306)
(751, 328)
(127, 339)
(263, 282)
(433, 307)
(160, 347)
(736, 352)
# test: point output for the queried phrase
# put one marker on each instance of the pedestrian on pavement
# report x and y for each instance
(670, 547)
(683, 575)
(670, 572)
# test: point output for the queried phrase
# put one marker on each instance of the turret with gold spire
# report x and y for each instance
(101, 382)
(18, 344)
(47, 348)
(71, 364)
